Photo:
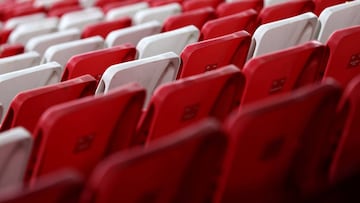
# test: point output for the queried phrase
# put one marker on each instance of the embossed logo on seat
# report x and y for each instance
(83, 143)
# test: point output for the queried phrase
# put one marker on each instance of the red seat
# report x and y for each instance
(107, 7)
(204, 56)
(96, 62)
(196, 4)
(27, 107)
(60, 11)
(196, 17)
(283, 71)
(344, 59)
(184, 167)
(178, 104)
(346, 162)
(11, 50)
(154, 3)
(4, 35)
(80, 133)
(21, 9)
(58, 187)
(63, 4)
(320, 5)
(104, 28)
(229, 8)
(267, 138)
(245, 20)
(285, 10)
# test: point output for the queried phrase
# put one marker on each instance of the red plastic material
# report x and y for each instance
(96, 62)
(205, 56)
(320, 5)
(184, 167)
(283, 71)
(196, 17)
(245, 20)
(285, 10)
(268, 139)
(11, 50)
(344, 59)
(80, 133)
(229, 8)
(189, 5)
(104, 28)
(178, 104)
(27, 107)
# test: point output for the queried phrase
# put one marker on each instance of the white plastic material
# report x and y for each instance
(14, 82)
(61, 53)
(15, 150)
(19, 62)
(159, 13)
(283, 34)
(133, 34)
(15, 21)
(338, 17)
(124, 11)
(24, 32)
(171, 41)
(80, 19)
(149, 72)
(45, 3)
(43, 42)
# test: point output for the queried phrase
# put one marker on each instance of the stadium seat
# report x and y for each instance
(203, 56)
(27, 106)
(19, 62)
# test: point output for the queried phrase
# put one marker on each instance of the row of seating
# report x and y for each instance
(284, 131)
(286, 148)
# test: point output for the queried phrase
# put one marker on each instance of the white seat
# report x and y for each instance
(159, 13)
(149, 72)
(80, 19)
(19, 62)
(337, 17)
(283, 34)
(24, 32)
(124, 11)
(15, 149)
(13, 22)
(42, 42)
(171, 41)
(132, 34)
(45, 3)
(14, 82)
(87, 3)
(61, 53)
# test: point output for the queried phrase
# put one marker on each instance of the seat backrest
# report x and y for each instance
(344, 58)
(285, 10)
(189, 5)
(345, 163)
(149, 72)
(7, 50)
(24, 32)
(284, 33)
(178, 104)
(265, 139)
(58, 187)
(14, 22)
(193, 155)
(27, 107)
(88, 63)
(126, 11)
(42, 42)
(19, 62)
(283, 71)
(15, 149)
(105, 27)
(203, 56)
(196, 17)
(15, 82)
(337, 17)
(132, 34)
(79, 19)
(244, 20)
(159, 13)
(171, 41)
(233, 7)
(70, 135)
(61, 53)
(320, 5)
